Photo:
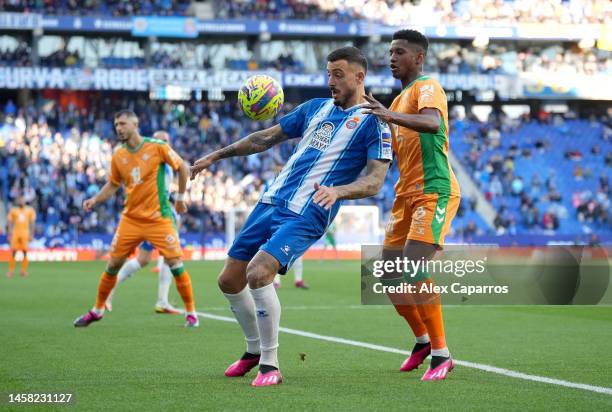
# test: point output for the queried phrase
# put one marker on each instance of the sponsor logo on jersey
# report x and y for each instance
(322, 136)
(426, 92)
(427, 89)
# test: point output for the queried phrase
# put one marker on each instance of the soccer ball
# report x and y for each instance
(261, 97)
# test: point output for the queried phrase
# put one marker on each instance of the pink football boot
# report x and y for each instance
(416, 358)
(268, 379)
(241, 367)
(440, 372)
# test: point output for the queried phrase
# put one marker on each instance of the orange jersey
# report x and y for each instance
(22, 220)
(142, 172)
(423, 157)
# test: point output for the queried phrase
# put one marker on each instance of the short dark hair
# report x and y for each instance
(412, 37)
(126, 113)
(350, 54)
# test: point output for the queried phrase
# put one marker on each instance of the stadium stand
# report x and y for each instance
(496, 58)
(530, 170)
(395, 12)
(542, 176)
(543, 173)
(98, 7)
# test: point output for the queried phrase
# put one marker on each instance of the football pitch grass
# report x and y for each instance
(135, 359)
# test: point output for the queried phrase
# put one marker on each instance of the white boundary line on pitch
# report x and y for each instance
(480, 366)
(335, 307)
(304, 307)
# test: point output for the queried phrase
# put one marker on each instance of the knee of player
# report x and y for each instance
(114, 265)
(259, 275)
(174, 263)
(112, 268)
(227, 284)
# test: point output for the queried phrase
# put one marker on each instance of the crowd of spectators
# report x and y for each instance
(392, 12)
(539, 198)
(413, 12)
(57, 158)
(594, 207)
(115, 8)
(444, 57)
(18, 56)
(506, 58)
(62, 58)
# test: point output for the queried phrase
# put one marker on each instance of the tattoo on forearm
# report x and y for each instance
(254, 143)
(360, 188)
(367, 185)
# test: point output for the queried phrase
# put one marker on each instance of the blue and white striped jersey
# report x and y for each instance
(335, 147)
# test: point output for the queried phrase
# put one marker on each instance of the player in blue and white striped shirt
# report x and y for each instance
(338, 142)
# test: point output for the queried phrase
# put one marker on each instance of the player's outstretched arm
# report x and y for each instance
(183, 177)
(107, 191)
(365, 186)
(426, 121)
(254, 143)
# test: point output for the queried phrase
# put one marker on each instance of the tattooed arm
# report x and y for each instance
(365, 186)
(254, 143)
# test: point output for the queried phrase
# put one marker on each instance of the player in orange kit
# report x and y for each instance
(139, 165)
(21, 221)
(427, 193)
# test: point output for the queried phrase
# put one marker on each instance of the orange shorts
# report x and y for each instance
(19, 241)
(162, 234)
(425, 217)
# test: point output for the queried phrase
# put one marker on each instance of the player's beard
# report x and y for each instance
(123, 138)
(343, 98)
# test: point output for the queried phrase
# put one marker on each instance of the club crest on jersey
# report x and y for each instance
(322, 136)
(352, 123)
(419, 213)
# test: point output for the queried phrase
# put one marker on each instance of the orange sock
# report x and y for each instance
(106, 285)
(183, 285)
(12, 262)
(24, 263)
(412, 316)
(430, 309)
